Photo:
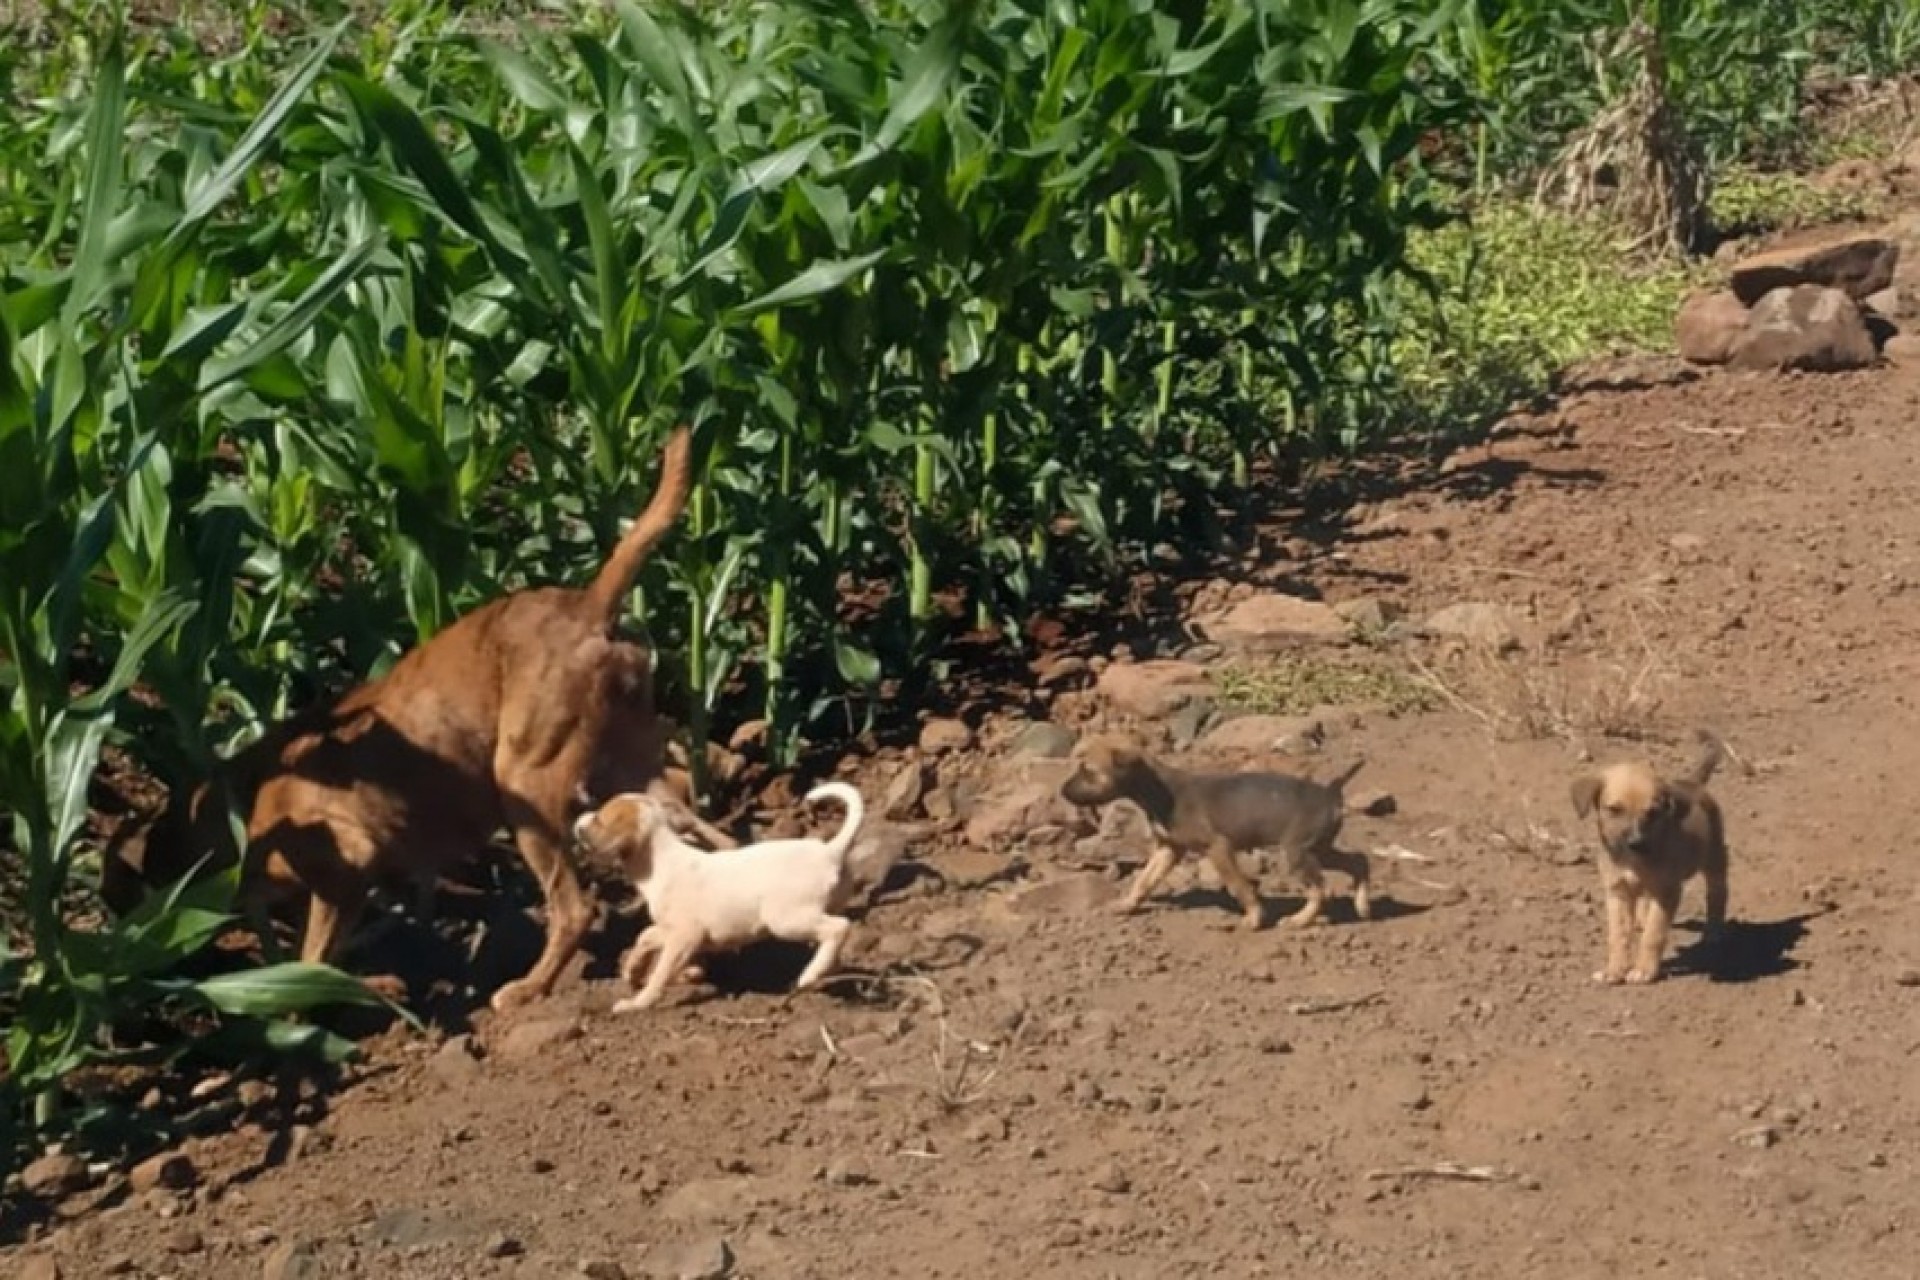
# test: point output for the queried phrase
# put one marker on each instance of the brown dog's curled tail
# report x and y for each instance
(1711, 752)
(615, 578)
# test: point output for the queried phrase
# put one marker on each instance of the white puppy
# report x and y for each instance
(701, 901)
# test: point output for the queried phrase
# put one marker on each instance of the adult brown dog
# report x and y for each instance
(1655, 835)
(1223, 815)
(510, 717)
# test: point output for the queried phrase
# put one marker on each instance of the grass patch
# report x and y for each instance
(1522, 294)
(1297, 685)
(1746, 201)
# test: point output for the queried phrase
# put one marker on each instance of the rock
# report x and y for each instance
(1902, 348)
(171, 1171)
(846, 1172)
(502, 1245)
(1274, 622)
(1153, 689)
(1184, 725)
(1368, 616)
(1112, 1179)
(457, 1062)
(1708, 325)
(988, 1129)
(1857, 266)
(1006, 816)
(939, 736)
(1264, 735)
(293, 1260)
(184, 1240)
(534, 1037)
(53, 1176)
(709, 1259)
(1908, 977)
(708, 1199)
(1890, 302)
(1805, 327)
(1372, 802)
(1478, 623)
(902, 796)
(41, 1266)
(1044, 739)
(601, 1269)
(1069, 895)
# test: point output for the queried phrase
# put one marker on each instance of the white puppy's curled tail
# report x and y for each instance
(850, 827)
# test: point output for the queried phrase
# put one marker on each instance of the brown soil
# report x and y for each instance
(1015, 1082)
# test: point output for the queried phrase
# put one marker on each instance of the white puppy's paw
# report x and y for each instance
(633, 1004)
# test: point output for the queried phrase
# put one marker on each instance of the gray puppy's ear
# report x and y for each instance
(1586, 794)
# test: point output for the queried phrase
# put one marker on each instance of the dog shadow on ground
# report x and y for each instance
(1747, 950)
(1338, 909)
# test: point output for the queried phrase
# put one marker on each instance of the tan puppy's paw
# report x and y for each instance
(1124, 906)
(1609, 977)
(1254, 918)
(1641, 975)
(1363, 904)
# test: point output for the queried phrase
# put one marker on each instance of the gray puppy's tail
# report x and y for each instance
(1339, 781)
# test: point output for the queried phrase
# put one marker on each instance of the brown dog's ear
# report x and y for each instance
(1586, 794)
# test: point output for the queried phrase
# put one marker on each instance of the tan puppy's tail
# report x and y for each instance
(616, 576)
(1712, 750)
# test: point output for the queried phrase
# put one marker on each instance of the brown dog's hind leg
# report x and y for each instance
(1235, 878)
(537, 803)
(1148, 879)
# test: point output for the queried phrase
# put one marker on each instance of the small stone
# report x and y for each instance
(1686, 543)
(1369, 616)
(1760, 1137)
(1112, 1180)
(988, 1129)
(710, 1259)
(1154, 689)
(901, 799)
(601, 1269)
(1185, 724)
(845, 1172)
(53, 1176)
(458, 1060)
(1708, 324)
(502, 1245)
(292, 1260)
(541, 1164)
(1805, 327)
(937, 737)
(1372, 802)
(1044, 739)
(118, 1265)
(530, 1039)
(171, 1171)
(1264, 735)
(1908, 977)
(1276, 1044)
(258, 1237)
(1274, 622)
(184, 1240)
(41, 1266)
(1478, 623)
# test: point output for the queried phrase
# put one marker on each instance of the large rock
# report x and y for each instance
(1263, 735)
(1855, 265)
(1807, 327)
(1708, 326)
(1477, 623)
(1155, 688)
(1273, 622)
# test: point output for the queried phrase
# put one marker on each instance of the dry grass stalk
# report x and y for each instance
(1636, 162)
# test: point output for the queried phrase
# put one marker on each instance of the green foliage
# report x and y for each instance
(1518, 296)
(1737, 69)
(1748, 200)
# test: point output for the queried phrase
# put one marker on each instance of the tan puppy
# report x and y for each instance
(702, 902)
(1222, 815)
(1655, 835)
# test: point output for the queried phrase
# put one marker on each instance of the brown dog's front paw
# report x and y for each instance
(513, 996)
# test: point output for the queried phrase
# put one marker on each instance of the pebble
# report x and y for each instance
(171, 1171)
(502, 1245)
(1113, 1180)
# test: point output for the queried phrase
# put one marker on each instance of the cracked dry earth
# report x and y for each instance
(1024, 1084)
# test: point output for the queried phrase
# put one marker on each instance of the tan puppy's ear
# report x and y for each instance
(1586, 794)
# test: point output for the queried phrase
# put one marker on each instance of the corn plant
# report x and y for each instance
(112, 347)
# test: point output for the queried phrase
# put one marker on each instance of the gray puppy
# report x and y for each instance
(1222, 815)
